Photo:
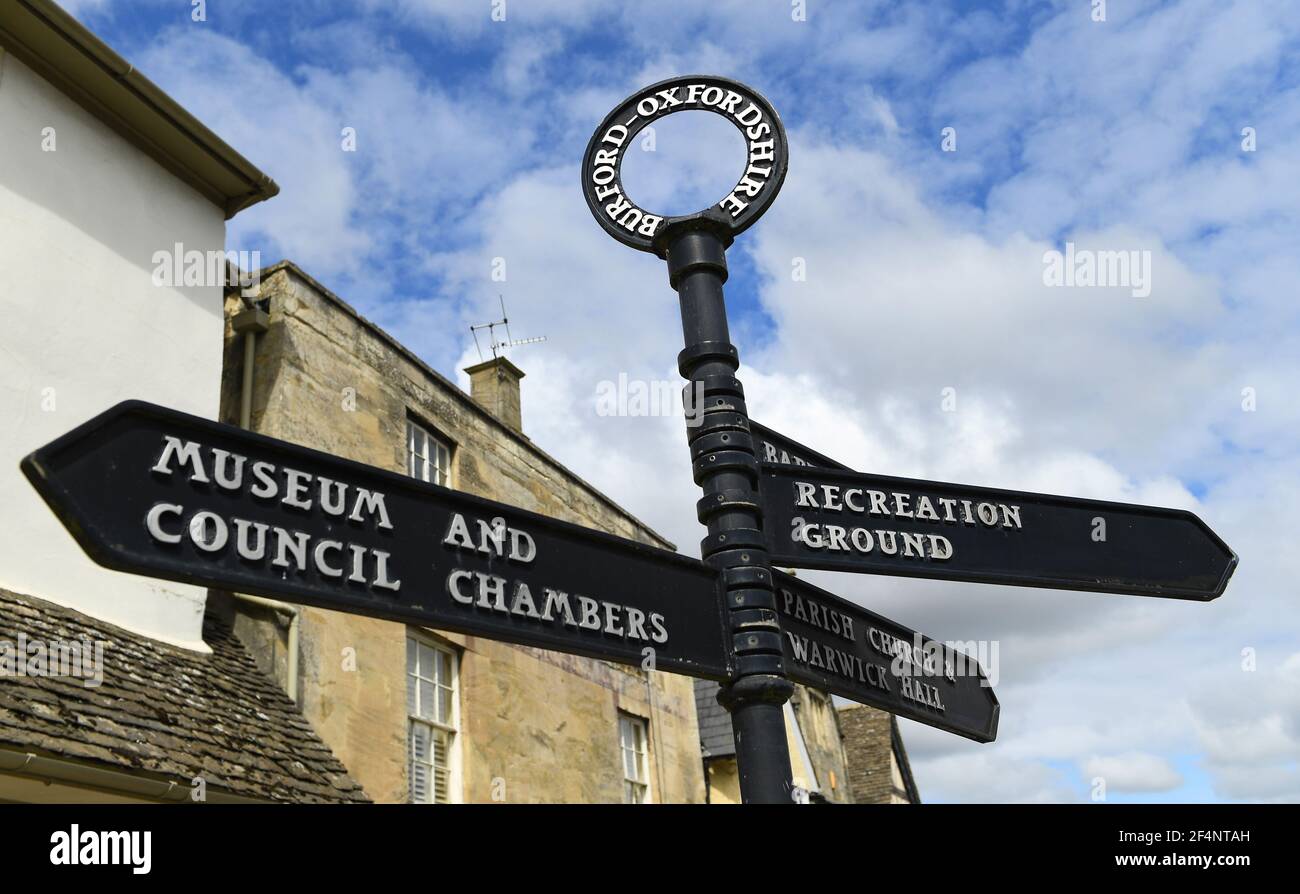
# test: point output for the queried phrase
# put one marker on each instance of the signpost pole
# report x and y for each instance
(726, 469)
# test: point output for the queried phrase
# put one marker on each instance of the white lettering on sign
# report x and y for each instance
(747, 115)
(283, 550)
(479, 590)
(891, 504)
(295, 491)
(774, 454)
(909, 664)
(494, 539)
(286, 551)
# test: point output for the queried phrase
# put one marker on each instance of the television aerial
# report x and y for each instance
(498, 346)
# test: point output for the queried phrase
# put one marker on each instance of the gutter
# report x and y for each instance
(50, 769)
(197, 138)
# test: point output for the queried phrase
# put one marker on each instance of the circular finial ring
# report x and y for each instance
(767, 158)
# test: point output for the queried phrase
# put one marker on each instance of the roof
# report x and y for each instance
(716, 738)
(459, 394)
(164, 713)
(64, 52)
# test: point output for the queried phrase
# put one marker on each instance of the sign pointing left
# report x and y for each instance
(149, 490)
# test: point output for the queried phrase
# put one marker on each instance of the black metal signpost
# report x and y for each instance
(769, 499)
(722, 451)
(153, 491)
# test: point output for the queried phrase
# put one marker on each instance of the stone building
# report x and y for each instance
(428, 715)
(878, 769)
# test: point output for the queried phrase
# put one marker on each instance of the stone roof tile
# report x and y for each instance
(167, 712)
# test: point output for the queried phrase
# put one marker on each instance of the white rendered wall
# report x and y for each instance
(82, 327)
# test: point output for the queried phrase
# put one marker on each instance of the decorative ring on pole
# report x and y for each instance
(765, 165)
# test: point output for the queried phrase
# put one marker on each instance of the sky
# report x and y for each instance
(891, 308)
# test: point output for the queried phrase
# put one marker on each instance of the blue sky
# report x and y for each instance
(924, 273)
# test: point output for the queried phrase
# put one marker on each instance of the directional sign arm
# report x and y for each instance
(838, 646)
(149, 490)
(875, 524)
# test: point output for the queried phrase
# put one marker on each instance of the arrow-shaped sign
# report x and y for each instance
(832, 644)
(844, 521)
(149, 490)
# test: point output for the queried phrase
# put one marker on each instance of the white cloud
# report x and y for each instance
(1133, 771)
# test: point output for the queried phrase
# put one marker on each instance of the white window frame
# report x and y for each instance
(449, 725)
(428, 456)
(636, 754)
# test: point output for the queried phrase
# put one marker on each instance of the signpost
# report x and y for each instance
(768, 499)
(149, 490)
(818, 518)
(153, 491)
(722, 451)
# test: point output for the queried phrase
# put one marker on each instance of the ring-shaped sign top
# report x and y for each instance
(765, 164)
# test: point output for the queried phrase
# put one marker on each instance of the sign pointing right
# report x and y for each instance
(833, 644)
(876, 524)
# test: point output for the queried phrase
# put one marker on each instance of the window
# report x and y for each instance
(431, 705)
(636, 765)
(427, 457)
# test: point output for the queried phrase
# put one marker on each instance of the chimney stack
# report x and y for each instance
(494, 385)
